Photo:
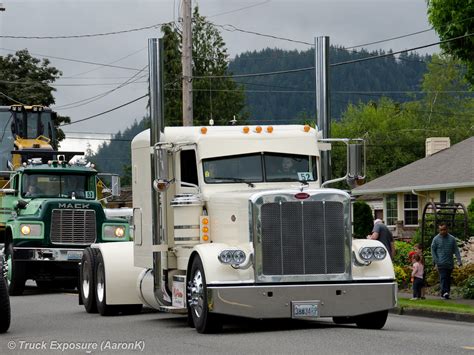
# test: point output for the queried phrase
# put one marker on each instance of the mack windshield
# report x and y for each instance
(260, 167)
(56, 185)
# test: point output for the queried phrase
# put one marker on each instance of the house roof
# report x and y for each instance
(447, 169)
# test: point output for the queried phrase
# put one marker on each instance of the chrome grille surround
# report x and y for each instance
(301, 240)
(73, 226)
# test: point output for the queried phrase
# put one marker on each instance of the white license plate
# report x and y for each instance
(305, 309)
(74, 255)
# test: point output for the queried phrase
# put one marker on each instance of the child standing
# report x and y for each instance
(417, 276)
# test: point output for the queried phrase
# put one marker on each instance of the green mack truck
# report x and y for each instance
(50, 211)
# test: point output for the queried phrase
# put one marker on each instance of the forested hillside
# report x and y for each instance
(288, 97)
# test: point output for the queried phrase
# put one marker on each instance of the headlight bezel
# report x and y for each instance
(111, 231)
(232, 257)
(368, 253)
(30, 230)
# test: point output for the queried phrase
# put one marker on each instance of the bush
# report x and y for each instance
(470, 216)
(461, 274)
(402, 274)
(432, 277)
(363, 220)
(401, 253)
(468, 288)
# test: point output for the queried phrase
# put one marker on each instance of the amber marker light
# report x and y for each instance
(306, 128)
(203, 130)
(205, 221)
(205, 229)
(269, 129)
(205, 237)
(246, 130)
(258, 129)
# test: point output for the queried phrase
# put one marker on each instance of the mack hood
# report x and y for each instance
(44, 207)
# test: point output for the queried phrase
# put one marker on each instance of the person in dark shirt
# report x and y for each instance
(443, 247)
(383, 235)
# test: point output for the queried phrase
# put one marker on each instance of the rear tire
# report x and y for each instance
(5, 311)
(203, 320)
(101, 292)
(87, 283)
(16, 275)
(374, 320)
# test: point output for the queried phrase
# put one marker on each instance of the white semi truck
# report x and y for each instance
(235, 220)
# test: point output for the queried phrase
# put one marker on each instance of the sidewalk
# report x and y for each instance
(407, 310)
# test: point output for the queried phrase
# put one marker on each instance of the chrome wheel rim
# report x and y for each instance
(85, 279)
(100, 283)
(197, 294)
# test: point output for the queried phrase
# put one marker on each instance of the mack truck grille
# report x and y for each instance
(73, 226)
(302, 238)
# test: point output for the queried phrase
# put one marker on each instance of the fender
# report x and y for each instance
(218, 273)
(120, 273)
(382, 269)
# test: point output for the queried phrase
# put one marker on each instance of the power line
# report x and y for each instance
(88, 35)
(74, 60)
(10, 98)
(389, 39)
(241, 9)
(103, 113)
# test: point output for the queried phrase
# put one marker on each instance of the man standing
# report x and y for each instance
(383, 235)
(442, 249)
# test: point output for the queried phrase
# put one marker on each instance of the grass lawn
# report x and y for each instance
(436, 305)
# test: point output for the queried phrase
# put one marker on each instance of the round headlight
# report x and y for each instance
(380, 253)
(25, 230)
(226, 256)
(238, 256)
(119, 232)
(366, 253)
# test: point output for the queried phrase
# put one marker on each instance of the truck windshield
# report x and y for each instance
(56, 185)
(260, 167)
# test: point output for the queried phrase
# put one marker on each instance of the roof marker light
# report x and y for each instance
(269, 129)
(246, 130)
(258, 129)
(203, 130)
(306, 128)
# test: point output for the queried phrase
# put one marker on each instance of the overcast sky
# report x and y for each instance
(347, 22)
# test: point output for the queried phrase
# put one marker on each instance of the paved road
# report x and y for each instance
(49, 321)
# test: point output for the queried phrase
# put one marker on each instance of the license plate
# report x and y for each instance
(74, 255)
(305, 309)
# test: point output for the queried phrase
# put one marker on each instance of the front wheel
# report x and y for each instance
(198, 309)
(87, 281)
(5, 312)
(374, 320)
(16, 273)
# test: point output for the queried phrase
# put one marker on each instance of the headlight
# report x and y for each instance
(114, 232)
(30, 230)
(233, 257)
(380, 253)
(25, 229)
(119, 232)
(366, 253)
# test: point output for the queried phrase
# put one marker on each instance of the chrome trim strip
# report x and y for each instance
(187, 226)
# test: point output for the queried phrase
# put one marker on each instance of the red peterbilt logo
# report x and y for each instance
(74, 205)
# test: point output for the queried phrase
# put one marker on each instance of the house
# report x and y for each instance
(446, 174)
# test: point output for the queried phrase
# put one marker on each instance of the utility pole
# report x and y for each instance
(186, 61)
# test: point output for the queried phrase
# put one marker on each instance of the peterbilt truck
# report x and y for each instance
(50, 207)
(234, 220)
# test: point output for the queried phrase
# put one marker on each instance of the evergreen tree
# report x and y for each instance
(214, 96)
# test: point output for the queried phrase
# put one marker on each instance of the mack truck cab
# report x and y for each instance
(235, 220)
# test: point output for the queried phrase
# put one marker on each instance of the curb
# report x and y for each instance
(419, 312)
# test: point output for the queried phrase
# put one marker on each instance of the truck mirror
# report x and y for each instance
(161, 164)
(115, 185)
(21, 204)
(356, 164)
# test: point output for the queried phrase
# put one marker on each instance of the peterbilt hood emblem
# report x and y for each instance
(74, 205)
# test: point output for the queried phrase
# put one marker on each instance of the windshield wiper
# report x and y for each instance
(234, 179)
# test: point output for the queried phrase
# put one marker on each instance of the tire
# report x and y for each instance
(374, 320)
(343, 320)
(16, 275)
(203, 320)
(5, 311)
(87, 285)
(100, 289)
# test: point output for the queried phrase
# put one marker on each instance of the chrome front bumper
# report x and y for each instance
(275, 301)
(48, 254)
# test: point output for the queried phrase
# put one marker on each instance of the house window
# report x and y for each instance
(410, 209)
(391, 207)
(446, 196)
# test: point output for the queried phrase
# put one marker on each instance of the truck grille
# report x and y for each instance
(302, 238)
(73, 226)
